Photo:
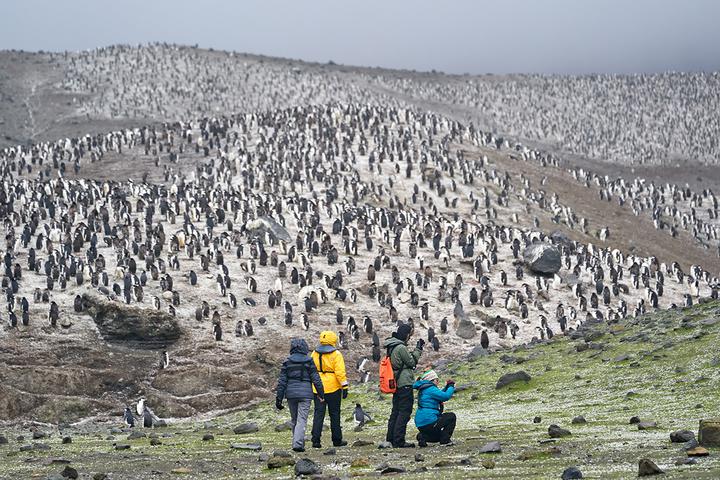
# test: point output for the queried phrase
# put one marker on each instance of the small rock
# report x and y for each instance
(510, 378)
(254, 447)
(444, 463)
(681, 436)
(38, 435)
(488, 463)
(155, 442)
(122, 447)
(391, 470)
(689, 445)
(647, 467)
(100, 476)
(282, 454)
(537, 420)
(136, 434)
(383, 445)
(3, 440)
(306, 466)
(361, 443)
(263, 457)
(181, 470)
(646, 425)
(284, 427)
(571, 473)
(686, 461)
(207, 437)
(698, 452)
(245, 428)
(491, 447)
(330, 451)
(579, 420)
(634, 420)
(419, 457)
(280, 462)
(556, 431)
(69, 472)
(360, 463)
(160, 423)
(66, 440)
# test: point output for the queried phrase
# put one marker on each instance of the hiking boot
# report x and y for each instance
(404, 445)
(449, 443)
(421, 440)
(317, 445)
(298, 449)
(341, 443)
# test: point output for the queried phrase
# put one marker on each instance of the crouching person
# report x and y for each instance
(432, 423)
(298, 375)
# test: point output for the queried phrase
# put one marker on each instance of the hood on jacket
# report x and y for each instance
(421, 383)
(392, 342)
(328, 337)
(325, 349)
(299, 345)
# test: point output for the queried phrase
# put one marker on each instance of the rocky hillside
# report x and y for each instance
(602, 400)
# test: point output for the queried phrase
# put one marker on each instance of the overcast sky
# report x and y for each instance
(499, 36)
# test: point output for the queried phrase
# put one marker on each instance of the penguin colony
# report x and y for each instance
(634, 119)
(257, 226)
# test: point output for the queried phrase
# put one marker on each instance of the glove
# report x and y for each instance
(344, 393)
(278, 404)
(420, 344)
(450, 382)
(322, 399)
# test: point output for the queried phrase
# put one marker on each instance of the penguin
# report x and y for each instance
(367, 325)
(360, 417)
(248, 328)
(129, 418)
(444, 325)
(217, 332)
(164, 359)
(484, 340)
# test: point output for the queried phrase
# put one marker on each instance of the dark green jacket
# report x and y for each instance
(403, 361)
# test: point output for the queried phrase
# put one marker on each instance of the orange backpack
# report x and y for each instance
(387, 375)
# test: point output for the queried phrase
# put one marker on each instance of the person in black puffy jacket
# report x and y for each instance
(298, 374)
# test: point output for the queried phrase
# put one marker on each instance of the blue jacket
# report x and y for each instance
(429, 399)
(298, 374)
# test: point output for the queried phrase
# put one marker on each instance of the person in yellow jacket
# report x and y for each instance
(331, 365)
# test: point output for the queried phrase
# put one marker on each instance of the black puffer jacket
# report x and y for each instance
(298, 374)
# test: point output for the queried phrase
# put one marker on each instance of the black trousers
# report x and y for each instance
(332, 404)
(402, 405)
(441, 430)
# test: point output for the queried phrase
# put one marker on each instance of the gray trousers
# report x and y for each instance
(299, 410)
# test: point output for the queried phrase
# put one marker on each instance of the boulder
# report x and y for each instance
(698, 452)
(244, 428)
(542, 258)
(466, 329)
(509, 378)
(280, 462)
(263, 225)
(140, 327)
(681, 436)
(646, 425)
(491, 447)
(306, 466)
(709, 435)
(284, 427)
(69, 472)
(556, 431)
(579, 420)
(647, 467)
(477, 352)
(571, 473)
(253, 447)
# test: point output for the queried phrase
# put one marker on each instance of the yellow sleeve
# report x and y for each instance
(339, 368)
